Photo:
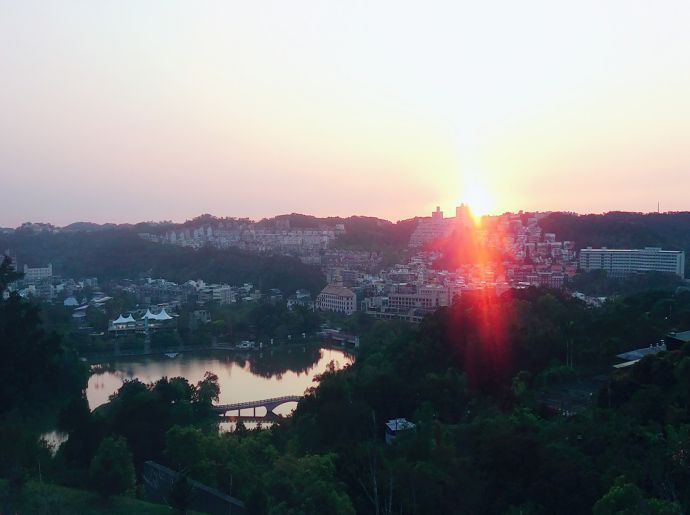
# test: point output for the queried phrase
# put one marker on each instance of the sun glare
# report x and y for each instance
(478, 199)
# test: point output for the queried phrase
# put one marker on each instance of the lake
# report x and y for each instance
(242, 377)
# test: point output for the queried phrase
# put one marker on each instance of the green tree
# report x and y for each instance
(7, 274)
(34, 364)
(181, 493)
(185, 450)
(628, 499)
(111, 471)
(208, 389)
(306, 485)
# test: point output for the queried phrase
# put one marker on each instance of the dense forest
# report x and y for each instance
(469, 377)
(33, 361)
(364, 233)
(599, 283)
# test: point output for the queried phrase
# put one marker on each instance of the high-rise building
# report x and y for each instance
(436, 226)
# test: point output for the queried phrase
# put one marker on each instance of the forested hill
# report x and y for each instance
(367, 233)
(120, 254)
(622, 230)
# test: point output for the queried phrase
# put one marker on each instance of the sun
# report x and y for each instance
(478, 200)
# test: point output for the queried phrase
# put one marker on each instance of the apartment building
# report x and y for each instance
(218, 293)
(32, 275)
(436, 226)
(427, 297)
(337, 298)
(622, 262)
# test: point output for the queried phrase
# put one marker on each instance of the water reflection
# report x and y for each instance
(54, 439)
(243, 377)
(275, 363)
(229, 423)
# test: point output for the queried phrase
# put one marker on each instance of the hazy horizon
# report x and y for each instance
(122, 112)
(447, 214)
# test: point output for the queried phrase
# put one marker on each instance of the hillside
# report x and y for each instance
(623, 230)
(37, 498)
(361, 232)
(121, 254)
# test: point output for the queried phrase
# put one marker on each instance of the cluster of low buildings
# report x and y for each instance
(406, 292)
(312, 245)
(273, 237)
(162, 292)
(532, 257)
(41, 283)
(522, 255)
(526, 254)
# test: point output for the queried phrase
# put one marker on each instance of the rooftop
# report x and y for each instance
(334, 289)
(683, 336)
(646, 249)
(644, 351)
(399, 424)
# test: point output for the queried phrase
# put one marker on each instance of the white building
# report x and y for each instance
(32, 275)
(337, 298)
(621, 262)
(149, 320)
(219, 293)
(429, 229)
(122, 324)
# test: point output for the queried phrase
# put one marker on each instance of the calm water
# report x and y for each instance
(251, 376)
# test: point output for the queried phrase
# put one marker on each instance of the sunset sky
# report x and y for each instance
(128, 111)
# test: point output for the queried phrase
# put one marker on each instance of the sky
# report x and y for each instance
(162, 110)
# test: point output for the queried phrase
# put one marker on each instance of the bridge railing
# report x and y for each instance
(256, 404)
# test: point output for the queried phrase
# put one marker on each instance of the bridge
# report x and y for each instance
(269, 404)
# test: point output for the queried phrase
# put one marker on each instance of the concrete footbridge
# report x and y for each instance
(269, 404)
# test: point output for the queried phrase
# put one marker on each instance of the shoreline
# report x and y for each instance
(102, 358)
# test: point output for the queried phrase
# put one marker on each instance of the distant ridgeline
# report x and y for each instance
(279, 252)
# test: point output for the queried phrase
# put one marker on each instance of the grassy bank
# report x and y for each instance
(37, 498)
